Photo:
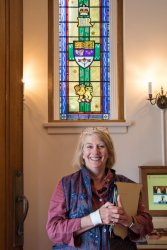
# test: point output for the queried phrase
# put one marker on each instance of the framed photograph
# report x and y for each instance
(154, 180)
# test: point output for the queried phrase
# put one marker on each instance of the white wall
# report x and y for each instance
(48, 157)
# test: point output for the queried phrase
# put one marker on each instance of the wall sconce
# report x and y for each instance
(160, 99)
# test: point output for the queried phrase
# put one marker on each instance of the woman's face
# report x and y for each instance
(95, 153)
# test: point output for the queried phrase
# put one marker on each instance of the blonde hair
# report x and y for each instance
(104, 135)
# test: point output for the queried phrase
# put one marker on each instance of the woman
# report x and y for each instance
(84, 207)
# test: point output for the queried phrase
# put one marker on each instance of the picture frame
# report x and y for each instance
(154, 191)
(53, 63)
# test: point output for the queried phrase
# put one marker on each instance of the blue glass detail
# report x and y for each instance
(105, 60)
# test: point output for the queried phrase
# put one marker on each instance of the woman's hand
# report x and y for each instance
(111, 214)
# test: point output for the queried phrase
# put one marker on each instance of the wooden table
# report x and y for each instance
(151, 247)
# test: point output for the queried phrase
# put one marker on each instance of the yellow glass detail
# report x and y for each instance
(95, 31)
(73, 63)
(73, 104)
(71, 89)
(96, 88)
(84, 45)
(94, 3)
(96, 64)
(95, 15)
(95, 105)
(73, 31)
(73, 15)
(73, 3)
(95, 73)
(73, 73)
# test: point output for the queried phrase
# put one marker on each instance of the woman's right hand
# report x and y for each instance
(111, 214)
(106, 213)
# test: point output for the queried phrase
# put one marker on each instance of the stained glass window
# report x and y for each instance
(84, 59)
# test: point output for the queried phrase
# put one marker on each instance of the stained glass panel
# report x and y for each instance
(84, 59)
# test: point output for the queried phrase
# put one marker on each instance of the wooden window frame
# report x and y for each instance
(53, 37)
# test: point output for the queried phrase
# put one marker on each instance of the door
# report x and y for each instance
(11, 125)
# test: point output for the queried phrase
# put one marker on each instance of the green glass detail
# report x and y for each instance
(70, 52)
(81, 75)
(84, 34)
(87, 107)
(84, 76)
(83, 2)
(97, 52)
(87, 76)
(82, 107)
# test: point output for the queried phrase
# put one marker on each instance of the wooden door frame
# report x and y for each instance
(11, 113)
(2, 124)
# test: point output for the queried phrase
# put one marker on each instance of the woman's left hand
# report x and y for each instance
(119, 215)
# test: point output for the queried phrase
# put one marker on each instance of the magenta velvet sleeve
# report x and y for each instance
(60, 229)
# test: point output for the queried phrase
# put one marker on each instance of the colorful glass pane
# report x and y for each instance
(84, 59)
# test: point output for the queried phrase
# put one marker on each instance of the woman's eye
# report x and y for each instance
(98, 146)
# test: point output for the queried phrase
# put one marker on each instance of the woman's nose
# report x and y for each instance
(95, 149)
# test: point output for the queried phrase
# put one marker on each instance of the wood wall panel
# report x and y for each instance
(2, 123)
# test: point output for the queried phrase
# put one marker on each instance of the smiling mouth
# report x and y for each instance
(95, 158)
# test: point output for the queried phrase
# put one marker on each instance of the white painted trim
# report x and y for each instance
(76, 127)
(163, 136)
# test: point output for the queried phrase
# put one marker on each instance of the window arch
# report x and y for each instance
(85, 52)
